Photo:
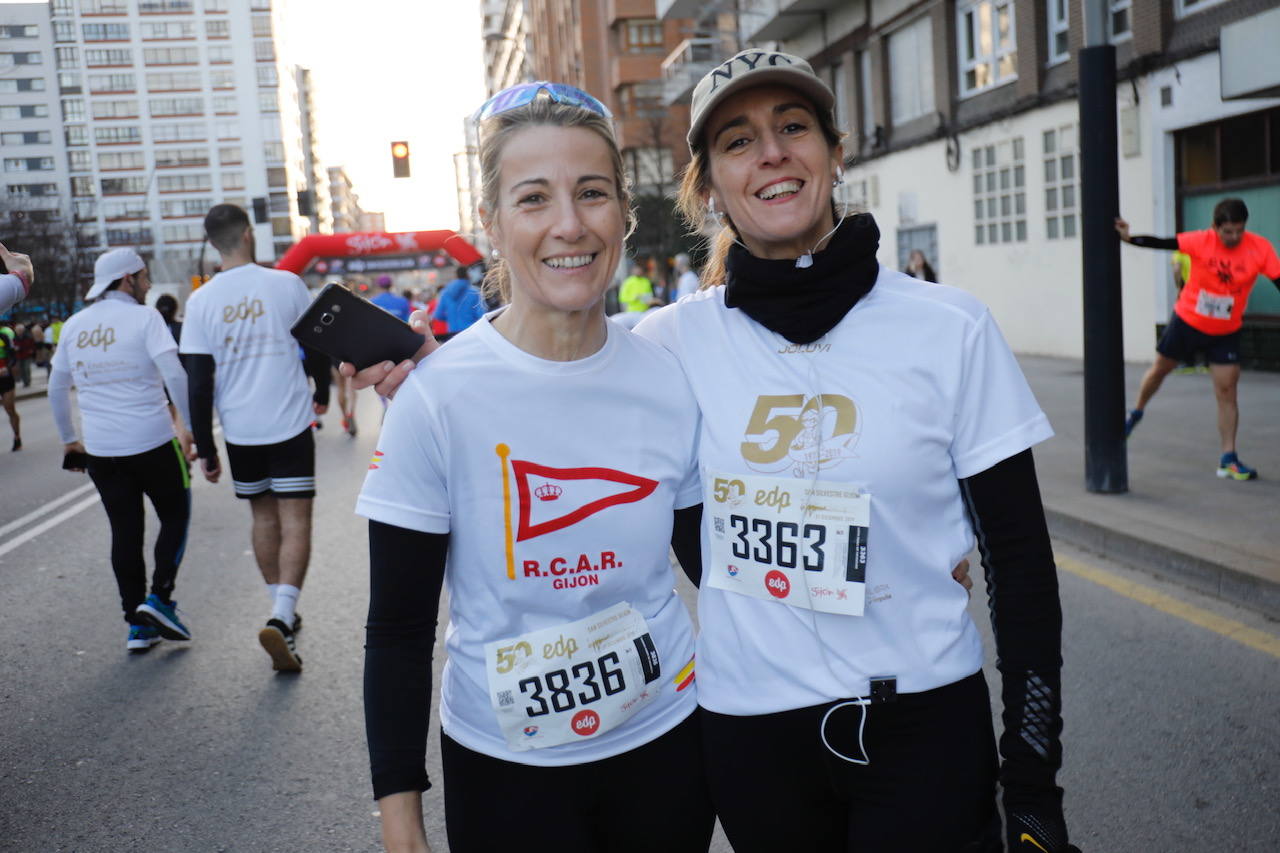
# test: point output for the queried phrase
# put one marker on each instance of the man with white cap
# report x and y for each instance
(120, 358)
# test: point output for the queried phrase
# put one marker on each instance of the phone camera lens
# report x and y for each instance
(326, 319)
(335, 308)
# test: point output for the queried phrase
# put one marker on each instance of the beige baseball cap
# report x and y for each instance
(111, 265)
(753, 67)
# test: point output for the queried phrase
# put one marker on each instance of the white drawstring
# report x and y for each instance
(862, 703)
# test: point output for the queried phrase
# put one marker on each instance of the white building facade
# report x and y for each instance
(963, 143)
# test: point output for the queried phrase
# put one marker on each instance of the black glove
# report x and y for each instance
(1033, 820)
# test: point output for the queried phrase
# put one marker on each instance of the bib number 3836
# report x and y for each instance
(797, 542)
(572, 681)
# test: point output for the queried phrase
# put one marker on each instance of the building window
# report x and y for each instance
(261, 26)
(19, 31)
(230, 155)
(23, 58)
(170, 56)
(106, 57)
(115, 109)
(233, 180)
(82, 185)
(77, 134)
(999, 193)
(116, 135)
(62, 7)
(183, 183)
(28, 164)
(67, 57)
(267, 75)
(17, 111)
(73, 110)
(278, 177)
(1119, 20)
(911, 71)
(168, 158)
(173, 208)
(988, 49)
(224, 105)
(222, 79)
(104, 7)
(227, 129)
(112, 83)
(21, 84)
(158, 7)
(1061, 183)
(215, 5)
(642, 34)
(219, 54)
(130, 208)
(105, 32)
(174, 81)
(178, 132)
(168, 30)
(268, 102)
(70, 83)
(1059, 30)
(80, 160)
(217, 29)
(26, 137)
(64, 30)
(176, 106)
(1188, 7)
(132, 185)
(112, 161)
(640, 99)
(264, 51)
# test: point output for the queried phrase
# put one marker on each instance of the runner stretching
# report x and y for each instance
(1226, 260)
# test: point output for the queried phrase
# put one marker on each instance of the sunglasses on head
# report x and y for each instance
(525, 93)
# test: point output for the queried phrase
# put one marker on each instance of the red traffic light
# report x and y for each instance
(400, 159)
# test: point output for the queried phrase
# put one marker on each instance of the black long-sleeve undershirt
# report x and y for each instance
(1026, 616)
(1146, 241)
(200, 379)
(406, 574)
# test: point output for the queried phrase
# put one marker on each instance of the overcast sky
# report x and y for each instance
(385, 70)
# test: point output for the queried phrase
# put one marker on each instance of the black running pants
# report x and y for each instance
(163, 476)
(930, 785)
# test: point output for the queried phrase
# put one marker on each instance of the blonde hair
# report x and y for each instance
(499, 130)
(695, 187)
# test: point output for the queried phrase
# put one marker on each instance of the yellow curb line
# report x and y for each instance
(1229, 628)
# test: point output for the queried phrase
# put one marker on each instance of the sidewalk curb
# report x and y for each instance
(1205, 576)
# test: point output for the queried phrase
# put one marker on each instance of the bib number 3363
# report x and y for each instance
(793, 541)
(572, 681)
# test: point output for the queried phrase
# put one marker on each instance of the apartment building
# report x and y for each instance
(313, 200)
(963, 139)
(152, 111)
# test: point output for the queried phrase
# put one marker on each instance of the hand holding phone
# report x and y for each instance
(75, 459)
(350, 328)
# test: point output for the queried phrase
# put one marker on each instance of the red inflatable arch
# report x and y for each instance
(315, 246)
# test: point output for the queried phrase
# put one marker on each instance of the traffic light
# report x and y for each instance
(400, 159)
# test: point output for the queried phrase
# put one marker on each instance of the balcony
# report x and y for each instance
(686, 65)
(778, 20)
(669, 9)
(616, 10)
(635, 68)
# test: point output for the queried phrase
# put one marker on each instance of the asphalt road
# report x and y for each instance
(1172, 741)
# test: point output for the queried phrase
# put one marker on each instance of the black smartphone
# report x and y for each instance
(351, 328)
(74, 460)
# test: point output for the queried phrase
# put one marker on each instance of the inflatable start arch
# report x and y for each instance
(302, 253)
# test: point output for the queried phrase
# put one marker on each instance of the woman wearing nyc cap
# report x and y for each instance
(859, 427)
(538, 472)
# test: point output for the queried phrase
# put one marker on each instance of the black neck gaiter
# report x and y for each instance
(802, 305)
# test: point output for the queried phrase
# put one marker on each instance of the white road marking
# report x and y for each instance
(47, 524)
(49, 507)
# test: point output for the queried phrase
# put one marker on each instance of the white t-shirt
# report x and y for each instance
(917, 389)
(594, 454)
(242, 318)
(110, 349)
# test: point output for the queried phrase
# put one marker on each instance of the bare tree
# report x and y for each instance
(54, 244)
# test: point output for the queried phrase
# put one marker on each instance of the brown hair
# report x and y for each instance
(498, 130)
(695, 187)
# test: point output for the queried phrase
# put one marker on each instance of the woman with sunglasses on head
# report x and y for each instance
(859, 427)
(540, 474)
(892, 415)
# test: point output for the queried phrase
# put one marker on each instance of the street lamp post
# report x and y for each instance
(1105, 457)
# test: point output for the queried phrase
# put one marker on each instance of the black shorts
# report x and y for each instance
(653, 797)
(1181, 342)
(6, 383)
(286, 469)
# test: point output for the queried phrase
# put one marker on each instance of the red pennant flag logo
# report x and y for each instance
(546, 487)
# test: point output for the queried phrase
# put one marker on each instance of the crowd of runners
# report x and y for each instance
(783, 428)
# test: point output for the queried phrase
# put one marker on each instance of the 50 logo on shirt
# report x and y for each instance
(788, 431)
(245, 309)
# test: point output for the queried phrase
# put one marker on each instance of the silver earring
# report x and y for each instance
(839, 177)
(711, 208)
(495, 254)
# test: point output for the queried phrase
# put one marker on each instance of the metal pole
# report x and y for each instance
(1105, 458)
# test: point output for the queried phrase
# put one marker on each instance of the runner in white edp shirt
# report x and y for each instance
(557, 518)
(913, 390)
(242, 318)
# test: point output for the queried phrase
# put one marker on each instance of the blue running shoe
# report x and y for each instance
(141, 638)
(163, 616)
(1230, 467)
(1135, 417)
